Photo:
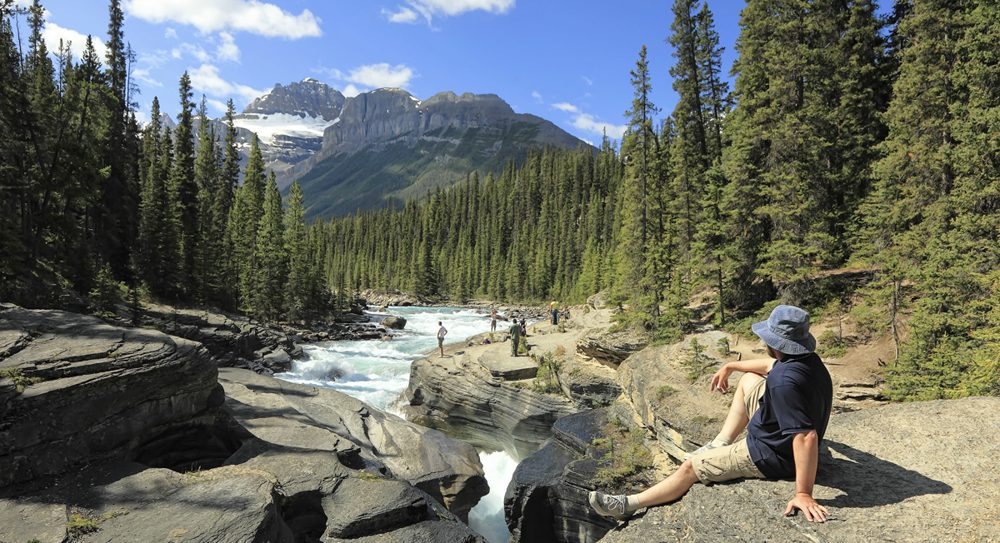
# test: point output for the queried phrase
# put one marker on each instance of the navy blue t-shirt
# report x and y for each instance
(797, 398)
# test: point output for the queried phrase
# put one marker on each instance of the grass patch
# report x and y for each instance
(80, 524)
(20, 380)
(369, 476)
(665, 392)
(623, 454)
(831, 345)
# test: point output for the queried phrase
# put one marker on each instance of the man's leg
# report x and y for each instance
(738, 416)
(669, 489)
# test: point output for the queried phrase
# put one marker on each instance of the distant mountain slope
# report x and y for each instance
(387, 147)
(381, 148)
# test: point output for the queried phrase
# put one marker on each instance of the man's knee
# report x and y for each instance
(749, 380)
(686, 470)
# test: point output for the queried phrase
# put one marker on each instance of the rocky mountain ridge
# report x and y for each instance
(383, 147)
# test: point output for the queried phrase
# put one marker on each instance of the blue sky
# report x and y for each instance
(567, 61)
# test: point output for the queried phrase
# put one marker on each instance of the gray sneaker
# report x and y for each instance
(706, 447)
(608, 505)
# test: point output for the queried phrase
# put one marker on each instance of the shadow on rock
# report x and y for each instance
(869, 481)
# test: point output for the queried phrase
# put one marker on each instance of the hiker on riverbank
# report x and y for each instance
(493, 320)
(515, 337)
(442, 331)
(554, 310)
(784, 404)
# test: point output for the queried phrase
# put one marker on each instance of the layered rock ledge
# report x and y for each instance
(75, 390)
(114, 434)
(460, 396)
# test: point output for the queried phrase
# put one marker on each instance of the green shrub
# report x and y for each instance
(623, 454)
(106, 293)
(723, 346)
(547, 379)
(697, 362)
(832, 345)
(21, 381)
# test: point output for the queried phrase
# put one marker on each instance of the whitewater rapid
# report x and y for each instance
(377, 372)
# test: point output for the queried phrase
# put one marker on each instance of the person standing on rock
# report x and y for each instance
(554, 310)
(493, 320)
(783, 402)
(442, 331)
(515, 337)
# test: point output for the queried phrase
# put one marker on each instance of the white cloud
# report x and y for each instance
(252, 16)
(170, 33)
(537, 96)
(429, 9)
(227, 49)
(381, 75)
(351, 91)
(206, 78)
(217, 105)
(567, 107)
(142, 74)
(77, 42)
(195, 51)
(370, 76)
(587, 80)
(403, 15)
(589, 123)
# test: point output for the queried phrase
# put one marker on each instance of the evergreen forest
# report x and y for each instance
(848, 143)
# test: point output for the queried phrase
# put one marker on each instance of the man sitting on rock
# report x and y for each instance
(783, 402)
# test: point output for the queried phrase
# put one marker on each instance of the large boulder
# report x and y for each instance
(461, 396)
(547, 496)
(76, 390)
(301, 417)
(394, 321)
(906, 472)
(611, 347)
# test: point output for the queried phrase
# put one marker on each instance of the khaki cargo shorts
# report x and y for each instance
(733, 461)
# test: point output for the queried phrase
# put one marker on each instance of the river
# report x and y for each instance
(377, 372)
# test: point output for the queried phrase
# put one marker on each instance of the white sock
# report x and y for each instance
(631, 504)
(720, 441)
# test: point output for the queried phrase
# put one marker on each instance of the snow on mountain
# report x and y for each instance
(269, 127)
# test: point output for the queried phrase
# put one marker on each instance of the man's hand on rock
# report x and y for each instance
(720, 381)
(814, 512)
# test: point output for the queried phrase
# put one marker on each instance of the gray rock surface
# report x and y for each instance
(458, 395)
(93, 391)
(920, 472)
(547, 496)
(611, 348)
(300, 417)
(588, 383)
(278, 463)
(395, 322)
(673, 399)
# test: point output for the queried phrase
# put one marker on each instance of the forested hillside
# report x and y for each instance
(96, 209)
(849, 141)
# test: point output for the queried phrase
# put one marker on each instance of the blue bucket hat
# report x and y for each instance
(787, 331)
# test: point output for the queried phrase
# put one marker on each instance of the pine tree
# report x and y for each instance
(272, 266)
(299, 289)
(225, 267)
(209, 241)
(248, 208)
(635, 279)
(184, 193)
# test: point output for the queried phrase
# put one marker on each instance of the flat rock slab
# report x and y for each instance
(509, 368)
(366, 506)
(428, 531)
(922, 471)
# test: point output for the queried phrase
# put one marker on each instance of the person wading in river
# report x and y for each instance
(442, 331)
(783, 402)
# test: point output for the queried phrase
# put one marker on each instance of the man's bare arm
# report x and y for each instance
(760, 366)
(805, 447)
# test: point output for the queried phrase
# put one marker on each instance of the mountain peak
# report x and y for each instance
(307, 98)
